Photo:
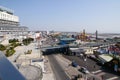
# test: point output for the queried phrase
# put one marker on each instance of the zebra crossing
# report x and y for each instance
(94, 72)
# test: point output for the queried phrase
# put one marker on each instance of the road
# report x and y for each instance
(57, 69)
(92, 66)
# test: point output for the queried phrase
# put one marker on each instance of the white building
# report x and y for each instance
(105, 58)
(89, 50)
(9, 23)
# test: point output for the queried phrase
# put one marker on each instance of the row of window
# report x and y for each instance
(18, 29)
(8, 23)
(7, 16)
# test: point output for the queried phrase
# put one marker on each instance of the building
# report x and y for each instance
(88, 51)
(9, 23)
(104, 58)
(66, 40)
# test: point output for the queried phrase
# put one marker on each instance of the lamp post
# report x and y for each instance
(85, 59)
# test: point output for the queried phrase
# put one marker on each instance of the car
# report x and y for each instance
(93, 57)
(100, 63)
(37, 48)
(84, 70)
(74, 64)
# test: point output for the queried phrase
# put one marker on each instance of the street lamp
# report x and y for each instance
(85, 59)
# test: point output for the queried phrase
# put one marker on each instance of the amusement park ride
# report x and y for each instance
(83, 36)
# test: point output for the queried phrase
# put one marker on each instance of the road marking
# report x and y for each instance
(100, 74)
(113, 78)
(67, 74)
(94, 72)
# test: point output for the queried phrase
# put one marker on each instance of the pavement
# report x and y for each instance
(4, 42)
(36, 54)
(48, 74)
(57, 69)
(19, 51)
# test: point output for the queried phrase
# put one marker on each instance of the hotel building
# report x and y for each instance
(9, 23)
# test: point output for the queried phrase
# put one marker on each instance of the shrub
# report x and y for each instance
(13, 40)
(9, 52)
(28, 52)
(2, 47)
(27, 41)
(15, 44)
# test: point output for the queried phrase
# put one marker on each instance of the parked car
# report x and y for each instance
(84, 70)
(74, 64)
(100, 63)
(93, 57)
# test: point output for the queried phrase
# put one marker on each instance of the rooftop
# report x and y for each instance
(106, 58)
(67, 39)
(10, 11)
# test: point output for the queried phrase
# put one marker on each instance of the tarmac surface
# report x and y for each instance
(57, 69)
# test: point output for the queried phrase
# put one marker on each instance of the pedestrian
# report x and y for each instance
(94, 66)
(93, 78)
(69, 64)
(79, 75)
(102, 77)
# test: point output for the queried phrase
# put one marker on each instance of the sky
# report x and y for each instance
(67, 15)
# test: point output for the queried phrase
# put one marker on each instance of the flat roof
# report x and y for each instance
(67, 39)
(55, 47)
(105, 57)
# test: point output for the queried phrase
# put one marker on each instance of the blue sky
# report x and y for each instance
(67, 15)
